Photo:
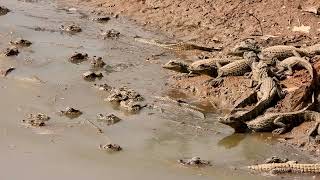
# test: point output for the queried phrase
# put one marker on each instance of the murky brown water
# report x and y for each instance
(68, 149)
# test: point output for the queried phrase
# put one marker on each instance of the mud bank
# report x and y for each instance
(216, 22)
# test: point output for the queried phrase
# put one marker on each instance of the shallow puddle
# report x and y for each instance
(44, 81)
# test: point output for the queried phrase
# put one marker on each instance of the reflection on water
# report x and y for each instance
(231, 141)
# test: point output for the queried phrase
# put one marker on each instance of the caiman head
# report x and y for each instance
(245, 46)
(176, 66)
(235, 123)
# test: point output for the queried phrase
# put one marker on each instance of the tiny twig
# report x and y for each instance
(261, 29)
(95, 126)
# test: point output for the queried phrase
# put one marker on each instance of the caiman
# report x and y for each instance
(269, 91)
(281, 52)
(180, 46)
(288, 167)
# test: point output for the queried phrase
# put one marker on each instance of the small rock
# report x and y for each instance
(109, 119)
(97, 62)
(130, 105)
(110, 147)
(195, 161)
(21, 42)
(123, 94)
(73, 28)
(112, 34)
(71, 113)
(275, 159)
(101, 19)
(4, 10)
(11, 51)
(91, 76)
(78, 57)
(103, 87)
(36, 120)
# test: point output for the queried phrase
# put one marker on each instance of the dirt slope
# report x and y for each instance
(219, 21)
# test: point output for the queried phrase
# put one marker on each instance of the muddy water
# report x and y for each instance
(68, 149)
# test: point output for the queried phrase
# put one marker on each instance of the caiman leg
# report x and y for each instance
(217, 81)
(283, 127)
(218, 64)
(314, 133)
(295, 53)
(289, 71)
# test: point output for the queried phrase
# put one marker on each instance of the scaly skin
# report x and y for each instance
(288, 63)
(281, 52)
(260, 71)
(313, 50)
(245, 46)
(210, 66)
(280, 123)
(269, 88)
(288, 167)
(237, 121)
(178, 66)
(181, 46)
(238, 68)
